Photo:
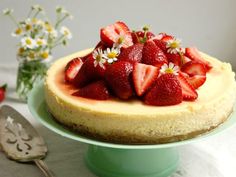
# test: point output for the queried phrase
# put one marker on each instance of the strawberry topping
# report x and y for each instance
(117, 76)
(153, 55)
(3, 92)
(132, 53)
(96, 90)
(72, 68)
(166, 91)
(116, 33)
(144, 76)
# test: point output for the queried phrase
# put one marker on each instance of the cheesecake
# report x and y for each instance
(151, 115)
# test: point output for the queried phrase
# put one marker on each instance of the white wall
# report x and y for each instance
(208, 24)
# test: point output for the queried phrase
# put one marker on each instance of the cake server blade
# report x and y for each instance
(20, 141)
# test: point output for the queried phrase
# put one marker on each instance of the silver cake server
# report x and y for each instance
(20, 141)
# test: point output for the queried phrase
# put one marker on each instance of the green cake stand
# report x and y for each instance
(120, 160)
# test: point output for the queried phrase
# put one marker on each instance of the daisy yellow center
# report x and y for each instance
(34, 20)
(32, 55)
(120, 40)
(18, 31)
(112, 55)
(28, 27)
(28, 42)
(98, 58)
(39, 42)
(169, 71)
(174, 45)
(21, 50)
(44, 55)
(66, 33)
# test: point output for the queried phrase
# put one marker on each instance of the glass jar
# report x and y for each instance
(29, 74)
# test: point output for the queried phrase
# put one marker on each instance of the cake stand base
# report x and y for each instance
(113, 162)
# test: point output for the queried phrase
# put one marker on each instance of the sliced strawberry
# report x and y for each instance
(138, 36)
(132, 53)
(166, 91)
(174, 58)
(3, 92)
(193, 68)
(188, 92)
(153, 55)
(185, 60)
(72, 68)
(167, 38)
(143, 77)
(96, 90)
(88, 73)
(197, 80)
(194, 54)
(117, 76)
(111, 34)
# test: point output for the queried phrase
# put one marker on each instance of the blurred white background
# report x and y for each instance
(210, 25)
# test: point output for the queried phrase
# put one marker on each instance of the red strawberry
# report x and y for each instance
(194, 54)
(194, 68)
(117, 76)
(185, 60)
(197, 80)
(174, 58)
(188, 92)
(161, 44)
(166, 91)
(72, 68)
(111, 34)
(96, 90)
(143, 77)
(153, 55)
(88, 73)
(2, 92)
(167, 38)
(132, 53)
(138, 36)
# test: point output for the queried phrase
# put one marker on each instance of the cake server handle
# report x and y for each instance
(44, 168)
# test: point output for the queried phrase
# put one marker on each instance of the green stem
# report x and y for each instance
(61, 20)
(14, 20)
(56, 45)
(35, 15)
(30, 12)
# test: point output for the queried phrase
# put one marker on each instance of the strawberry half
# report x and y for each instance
(166, 91)
(174, 58)
(153, 55)
(3, 92)
(188, 92)
(96, 90)
(193, 68)
(196, 72)
(132, 53)
(194, 54)
(111, 34)
(197, 80)
(72, 69)
(88, 73)
(117, 77)
(143, 77)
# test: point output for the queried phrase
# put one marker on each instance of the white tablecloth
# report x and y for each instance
(212, 157)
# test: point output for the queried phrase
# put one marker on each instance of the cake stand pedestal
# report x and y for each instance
(120, 160)
(113, 162)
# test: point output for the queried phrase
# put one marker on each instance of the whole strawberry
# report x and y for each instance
(166, 91)
(117, 76)
(2, 92)
(142, 36)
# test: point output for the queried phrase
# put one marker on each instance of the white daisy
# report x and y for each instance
(121, 38)
(173, 46)
(28, 42)
(112, 54)
(66, 32)
(50, 30)
(45, 55)
(171, 68)
(41, 42)
(99, 58)
(18, 32)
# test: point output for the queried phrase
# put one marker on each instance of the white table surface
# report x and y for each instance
(212, 157)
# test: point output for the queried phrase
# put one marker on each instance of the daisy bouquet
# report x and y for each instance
(37, 38)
